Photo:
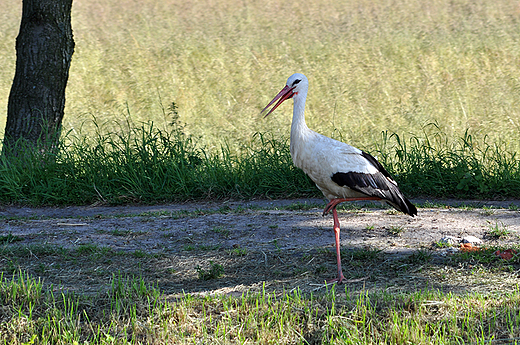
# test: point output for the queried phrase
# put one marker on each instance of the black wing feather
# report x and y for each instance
(380, 185)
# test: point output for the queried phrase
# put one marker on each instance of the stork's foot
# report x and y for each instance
(339, 280)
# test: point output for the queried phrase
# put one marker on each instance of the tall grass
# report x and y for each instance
(373, 66)
(147, 164)
(437, 165)
(133, 312)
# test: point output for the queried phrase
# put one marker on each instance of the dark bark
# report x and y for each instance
(44, 49)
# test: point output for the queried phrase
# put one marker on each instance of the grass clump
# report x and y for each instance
(147, 164)
(498, 231)
(9, 238)
(133, 312)
(215, 271)
(436, 165)
(150, 165)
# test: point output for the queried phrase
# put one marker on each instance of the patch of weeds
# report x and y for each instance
(221, 231)
(119, 232)
(10, 238)
(369, 227)
(215, 271)
(442, 244)
(93, 251)
(395, 230)
(467, 207)
(189, 247)
(237, 251)
(139, 254)
(484, 255)
(513, 207)
(487, 210)
(86, 249)
(420, 256)
(273, 226)
(208, 247)
(497, 231)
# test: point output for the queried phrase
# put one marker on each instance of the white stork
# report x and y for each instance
(341, 172)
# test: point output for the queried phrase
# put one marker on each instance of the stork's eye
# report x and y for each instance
(296, 82)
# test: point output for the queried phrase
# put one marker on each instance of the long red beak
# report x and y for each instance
(286, 93)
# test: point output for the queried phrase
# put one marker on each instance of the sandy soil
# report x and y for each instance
(282, 243)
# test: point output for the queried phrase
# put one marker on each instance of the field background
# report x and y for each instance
(373, 66)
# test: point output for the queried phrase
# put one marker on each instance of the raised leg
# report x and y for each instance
(334, 202)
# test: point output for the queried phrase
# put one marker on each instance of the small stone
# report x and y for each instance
(449, 251)
(450, 240)
(471, 239)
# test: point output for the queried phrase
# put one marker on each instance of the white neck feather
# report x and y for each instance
(298, 126)
(299, 129)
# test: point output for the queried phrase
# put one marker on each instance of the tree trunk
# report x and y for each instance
(44, 49)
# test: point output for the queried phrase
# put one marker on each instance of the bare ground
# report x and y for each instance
(250, 246)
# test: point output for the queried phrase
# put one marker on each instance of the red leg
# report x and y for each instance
(332, 206)
(338, 253)
(334, 202)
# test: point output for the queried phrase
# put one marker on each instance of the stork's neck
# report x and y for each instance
(300, 133)
(298, 126)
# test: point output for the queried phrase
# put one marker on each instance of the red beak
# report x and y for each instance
(286, 93)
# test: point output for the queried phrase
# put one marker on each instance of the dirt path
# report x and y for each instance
(284, 243)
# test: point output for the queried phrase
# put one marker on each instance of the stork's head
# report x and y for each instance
(297, 83)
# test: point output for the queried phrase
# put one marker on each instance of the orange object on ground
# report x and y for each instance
(506, 254)
(468, 247)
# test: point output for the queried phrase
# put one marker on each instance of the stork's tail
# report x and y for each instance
(401, 203)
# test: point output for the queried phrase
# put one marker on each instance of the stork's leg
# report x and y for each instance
(332, 206)
(334, 202)
(338, 252)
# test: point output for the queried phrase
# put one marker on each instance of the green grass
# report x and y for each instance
(214, 272)
(150, 165)
(9, 238)
(132, 312)
(435, 164)
(391, 69)
(498, 230)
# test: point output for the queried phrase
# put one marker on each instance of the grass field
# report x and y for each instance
(373, 66)
(133, 312)
(430, 88)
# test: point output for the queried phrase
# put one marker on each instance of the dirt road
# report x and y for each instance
(239, 246)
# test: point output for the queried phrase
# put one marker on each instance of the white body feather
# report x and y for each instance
(320, 157)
